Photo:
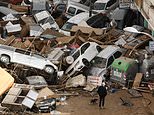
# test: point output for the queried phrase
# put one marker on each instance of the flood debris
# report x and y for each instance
(41, 68)
(126, 102)
(76, 81)
(20, 97)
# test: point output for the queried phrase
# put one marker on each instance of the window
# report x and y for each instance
(76, 55)
(71, 11)
(98, 62)
(99, 49)
(110, 60)
(2, 15)
(84, 47)
(22, 51)
(67, 26)
(117, 54)
(79, 11)
(99, 6)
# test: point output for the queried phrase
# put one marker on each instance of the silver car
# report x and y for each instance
(46, 20)
(103, 60)
(9, 54)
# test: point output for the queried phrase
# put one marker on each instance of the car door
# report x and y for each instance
(38, 61)
(21, 57)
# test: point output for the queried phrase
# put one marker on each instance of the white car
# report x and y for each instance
(104, 60)
(9, 54)
(82, 57)
(74, 8)
(75, 20)
(46, 20)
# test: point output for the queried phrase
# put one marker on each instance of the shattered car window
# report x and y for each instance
(68, 26)
(99, 62)
(99, 6)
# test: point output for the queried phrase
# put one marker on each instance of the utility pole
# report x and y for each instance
(91, 7)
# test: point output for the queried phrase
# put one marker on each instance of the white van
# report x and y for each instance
(74, 8)
(82, 57)
(75, 20)
(103, 60)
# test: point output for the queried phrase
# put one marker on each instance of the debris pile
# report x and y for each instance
(42, 65)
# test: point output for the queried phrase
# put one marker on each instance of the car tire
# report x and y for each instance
(86, 62)
(5, 59)
(49, 69)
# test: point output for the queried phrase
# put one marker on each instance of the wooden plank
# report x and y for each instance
(94, 40)
(137, 80)
(9, 40)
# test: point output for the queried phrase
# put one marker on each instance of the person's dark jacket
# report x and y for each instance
(102, 91)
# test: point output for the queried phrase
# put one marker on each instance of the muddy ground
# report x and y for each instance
(79, 105)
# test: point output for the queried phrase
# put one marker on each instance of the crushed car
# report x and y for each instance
(9, 54)
(103, 61)
(46, 20)
(82, 57)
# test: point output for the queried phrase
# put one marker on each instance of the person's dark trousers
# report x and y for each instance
(101, 101)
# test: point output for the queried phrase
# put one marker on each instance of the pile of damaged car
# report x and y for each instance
(76, 57)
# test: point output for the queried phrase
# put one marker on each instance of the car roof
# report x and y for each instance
(7, 47)
(79, 17)
(109, 50)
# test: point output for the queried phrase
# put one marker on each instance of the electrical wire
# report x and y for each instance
(28, 47)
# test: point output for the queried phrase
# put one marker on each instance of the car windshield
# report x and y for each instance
(71, 11)
(67, 26)
(99, 6)
(99, 62)
(45, 20)
(98, 21)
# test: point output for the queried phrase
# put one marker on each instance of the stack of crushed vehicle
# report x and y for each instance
(46, 43)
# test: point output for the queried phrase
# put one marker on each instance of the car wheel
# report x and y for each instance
(49, 69)
(86, 62)
(5, 59)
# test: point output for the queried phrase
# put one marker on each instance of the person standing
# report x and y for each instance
(102, 92)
